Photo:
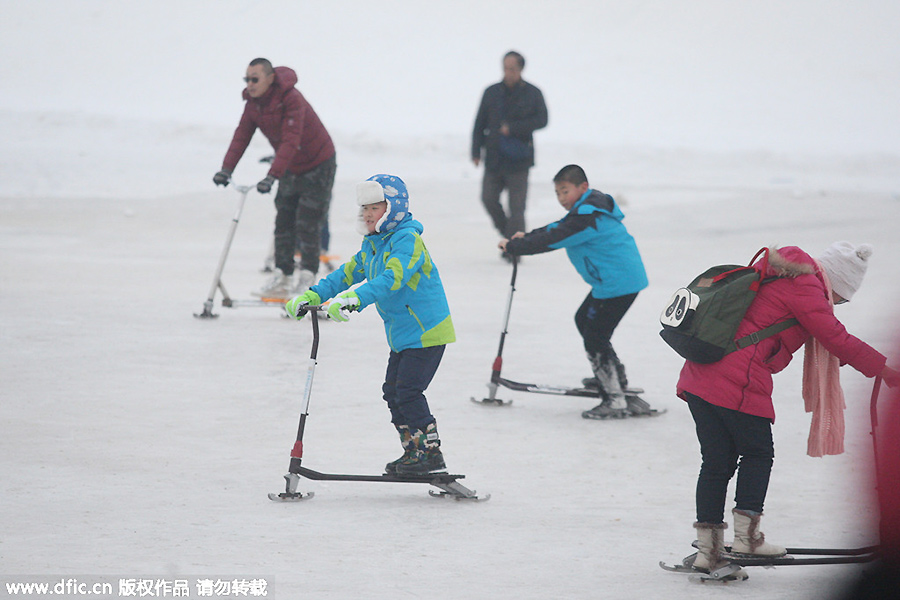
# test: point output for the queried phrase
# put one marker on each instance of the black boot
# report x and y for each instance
(425, 453)
(408, 451)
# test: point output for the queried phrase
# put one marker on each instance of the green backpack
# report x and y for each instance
(700, 321)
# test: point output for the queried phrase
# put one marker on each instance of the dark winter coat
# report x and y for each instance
(290, 124)
(522, 108)
(742, 380)
(597, 243)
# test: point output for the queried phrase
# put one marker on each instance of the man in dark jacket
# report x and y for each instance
(304, 166)
(510, 112)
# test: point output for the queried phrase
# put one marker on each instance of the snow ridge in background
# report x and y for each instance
(803, 77)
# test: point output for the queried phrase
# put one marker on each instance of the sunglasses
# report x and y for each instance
(251, 79)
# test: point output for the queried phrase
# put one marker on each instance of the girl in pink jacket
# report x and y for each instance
(731, 400)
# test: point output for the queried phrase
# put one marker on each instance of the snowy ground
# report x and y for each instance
(139, 441)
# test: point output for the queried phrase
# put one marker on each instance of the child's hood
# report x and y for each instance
(394, 192)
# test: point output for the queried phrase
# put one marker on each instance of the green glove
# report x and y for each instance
(341, 305)
(295, 307)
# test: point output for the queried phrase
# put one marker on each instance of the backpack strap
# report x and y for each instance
(766, 332)
(763, 266)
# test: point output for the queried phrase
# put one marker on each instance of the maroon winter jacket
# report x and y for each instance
(742, 380)
(290, 124)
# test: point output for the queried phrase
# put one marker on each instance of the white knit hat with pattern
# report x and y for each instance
(845, 265)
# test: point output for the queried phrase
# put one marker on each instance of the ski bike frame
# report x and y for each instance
(497, 380)
(447, 483)
(217, 278)
(795, 556)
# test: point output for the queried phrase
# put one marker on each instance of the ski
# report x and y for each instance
(535, 388)
(788, 559)
(556, 390)
(626, 415)
(724, 574)
(446, 482)
(665, 566)
(793, 556)
(290, 493)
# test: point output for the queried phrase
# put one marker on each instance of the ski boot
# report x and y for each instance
(305, 279)
(408, 450)
(425, 453)
(614, 405)
(279, 286)
(607, 410)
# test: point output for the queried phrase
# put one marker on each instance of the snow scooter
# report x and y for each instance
(447, 483)
(794, 556)
(227, 301)
(557, 390)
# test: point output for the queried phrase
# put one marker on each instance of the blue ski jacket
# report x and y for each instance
(403, 283)
(597, 243)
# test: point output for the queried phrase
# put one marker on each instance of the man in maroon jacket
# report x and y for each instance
(304, 166)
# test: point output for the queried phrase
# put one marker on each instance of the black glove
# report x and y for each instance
(265, 186)
(222, 177)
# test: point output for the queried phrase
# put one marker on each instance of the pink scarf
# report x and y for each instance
(822, 394)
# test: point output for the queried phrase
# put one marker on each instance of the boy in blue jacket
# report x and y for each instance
(607, 258)
(404, 285)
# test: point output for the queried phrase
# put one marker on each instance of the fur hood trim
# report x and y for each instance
(783, 267)
(699, 525)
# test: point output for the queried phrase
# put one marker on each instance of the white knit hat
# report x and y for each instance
(845, 265)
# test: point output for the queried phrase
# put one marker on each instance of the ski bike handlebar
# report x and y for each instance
(312, 308)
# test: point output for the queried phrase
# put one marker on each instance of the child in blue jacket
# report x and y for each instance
(607, 258)
(404, 285)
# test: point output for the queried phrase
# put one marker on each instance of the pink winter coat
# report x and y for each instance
(290, 124)
(742, 380)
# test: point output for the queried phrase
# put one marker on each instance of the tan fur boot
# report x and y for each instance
(710, 546)
(748, 539)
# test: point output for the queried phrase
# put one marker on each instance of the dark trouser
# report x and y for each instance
(725, 436)
(408, 374)
(516, 186)
(596, 320)
(302, 205)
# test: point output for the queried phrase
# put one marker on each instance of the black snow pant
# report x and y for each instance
(409, 372)
(302, 206)
(731, 441)
(596, 320)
